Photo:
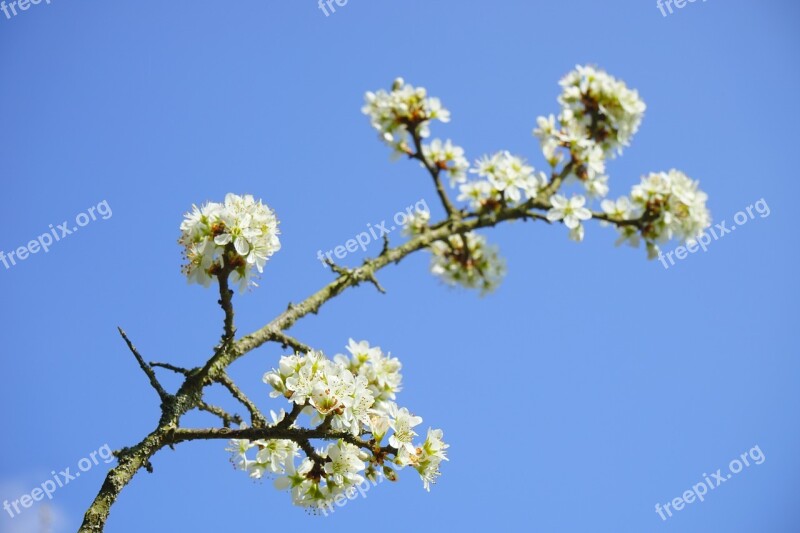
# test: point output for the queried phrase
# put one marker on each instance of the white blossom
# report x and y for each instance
(505, 177)
(345, 464)
(620, 209)
(416, 223)
(596, 186)
(297, 480)
(674, 205)
(349, 393)
(428, 457)
(550, 139)
(394, 114)
(271, 457)
(238, 449)
(571, 211)
(468, 260)
(599, 116)
(402, 423)
(598, 107)
(479, 194)
(381, 371)
(240, 234)
(447, 157)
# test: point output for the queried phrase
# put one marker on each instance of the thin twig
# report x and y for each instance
(256, 418)
(434, 171)
(291, 416)
(227, 418)
(226, 302)
(173, 368)
(342, 271)
(147, 369)
(372, 279)
(386, 246)
(290, 342)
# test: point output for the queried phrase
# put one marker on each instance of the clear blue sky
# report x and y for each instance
(591, 386)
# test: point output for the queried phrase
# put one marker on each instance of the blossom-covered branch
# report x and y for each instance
(348, 402)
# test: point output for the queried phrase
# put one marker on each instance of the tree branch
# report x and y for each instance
(313, 303)
(227, 418)
(433, 170)
(226, 302)
(270, 433)
(164, 395)
(173, 368)
(291, 342)
(291, 416)
(256, 418)
(189, 396)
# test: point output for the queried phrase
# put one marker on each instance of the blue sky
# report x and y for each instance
(592, 385)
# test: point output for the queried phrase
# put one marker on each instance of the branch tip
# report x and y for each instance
(147, 369)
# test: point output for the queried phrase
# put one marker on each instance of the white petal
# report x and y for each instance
(577, 201)
(558, 201)
(576, 234)
(241, 245)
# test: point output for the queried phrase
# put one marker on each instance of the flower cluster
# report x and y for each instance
(505, 177)
(271, 455)
(478, 266)
(599, 115)
(351, 396)
(235, 237)
(404, 109)
(381, 372)
(467, 260)
(449, 158)
(674, 206)
(597, 106)
(669, 205)
(417, 223)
